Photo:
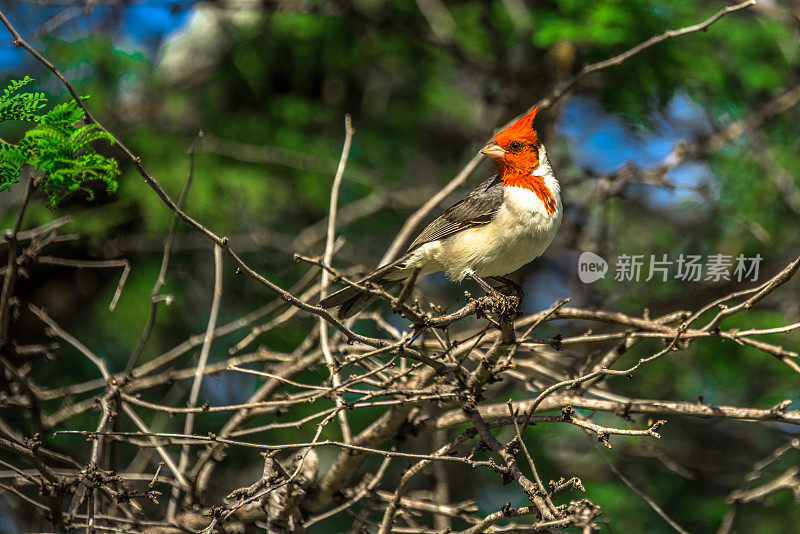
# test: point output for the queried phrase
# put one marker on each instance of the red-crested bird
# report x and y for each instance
(504, 223)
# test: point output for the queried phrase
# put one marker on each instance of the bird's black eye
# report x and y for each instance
(515, 145)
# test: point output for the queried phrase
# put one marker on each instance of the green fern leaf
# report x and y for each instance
(58, 145)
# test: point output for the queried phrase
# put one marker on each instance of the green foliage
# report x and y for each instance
(610, 23)
(58, 145)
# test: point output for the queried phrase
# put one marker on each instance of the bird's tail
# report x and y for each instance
(352, 300)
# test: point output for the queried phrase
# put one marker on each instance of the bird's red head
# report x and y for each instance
(515, 150)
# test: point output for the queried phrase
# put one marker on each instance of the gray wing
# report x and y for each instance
(478, 208)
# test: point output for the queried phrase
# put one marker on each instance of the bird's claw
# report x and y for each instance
(508, 297)
(508, 287)
(505, 300)
(506, 306)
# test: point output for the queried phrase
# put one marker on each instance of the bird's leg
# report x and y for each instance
(481, 282)
(503, 304)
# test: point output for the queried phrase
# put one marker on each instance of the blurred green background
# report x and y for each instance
(269, 84)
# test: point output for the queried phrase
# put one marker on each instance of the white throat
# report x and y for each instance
(543, 168)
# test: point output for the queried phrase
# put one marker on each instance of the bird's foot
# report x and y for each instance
(504, 301)
(508, 287)
(506, 306)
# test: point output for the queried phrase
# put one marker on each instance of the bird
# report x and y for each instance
(501, 225)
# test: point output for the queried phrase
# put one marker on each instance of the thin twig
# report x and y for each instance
(325, 278)
(645, 497)
(94, 264)
(155, 293)
(10, 280)
(188, 424)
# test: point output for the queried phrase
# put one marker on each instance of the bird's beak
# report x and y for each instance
(493, 150)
